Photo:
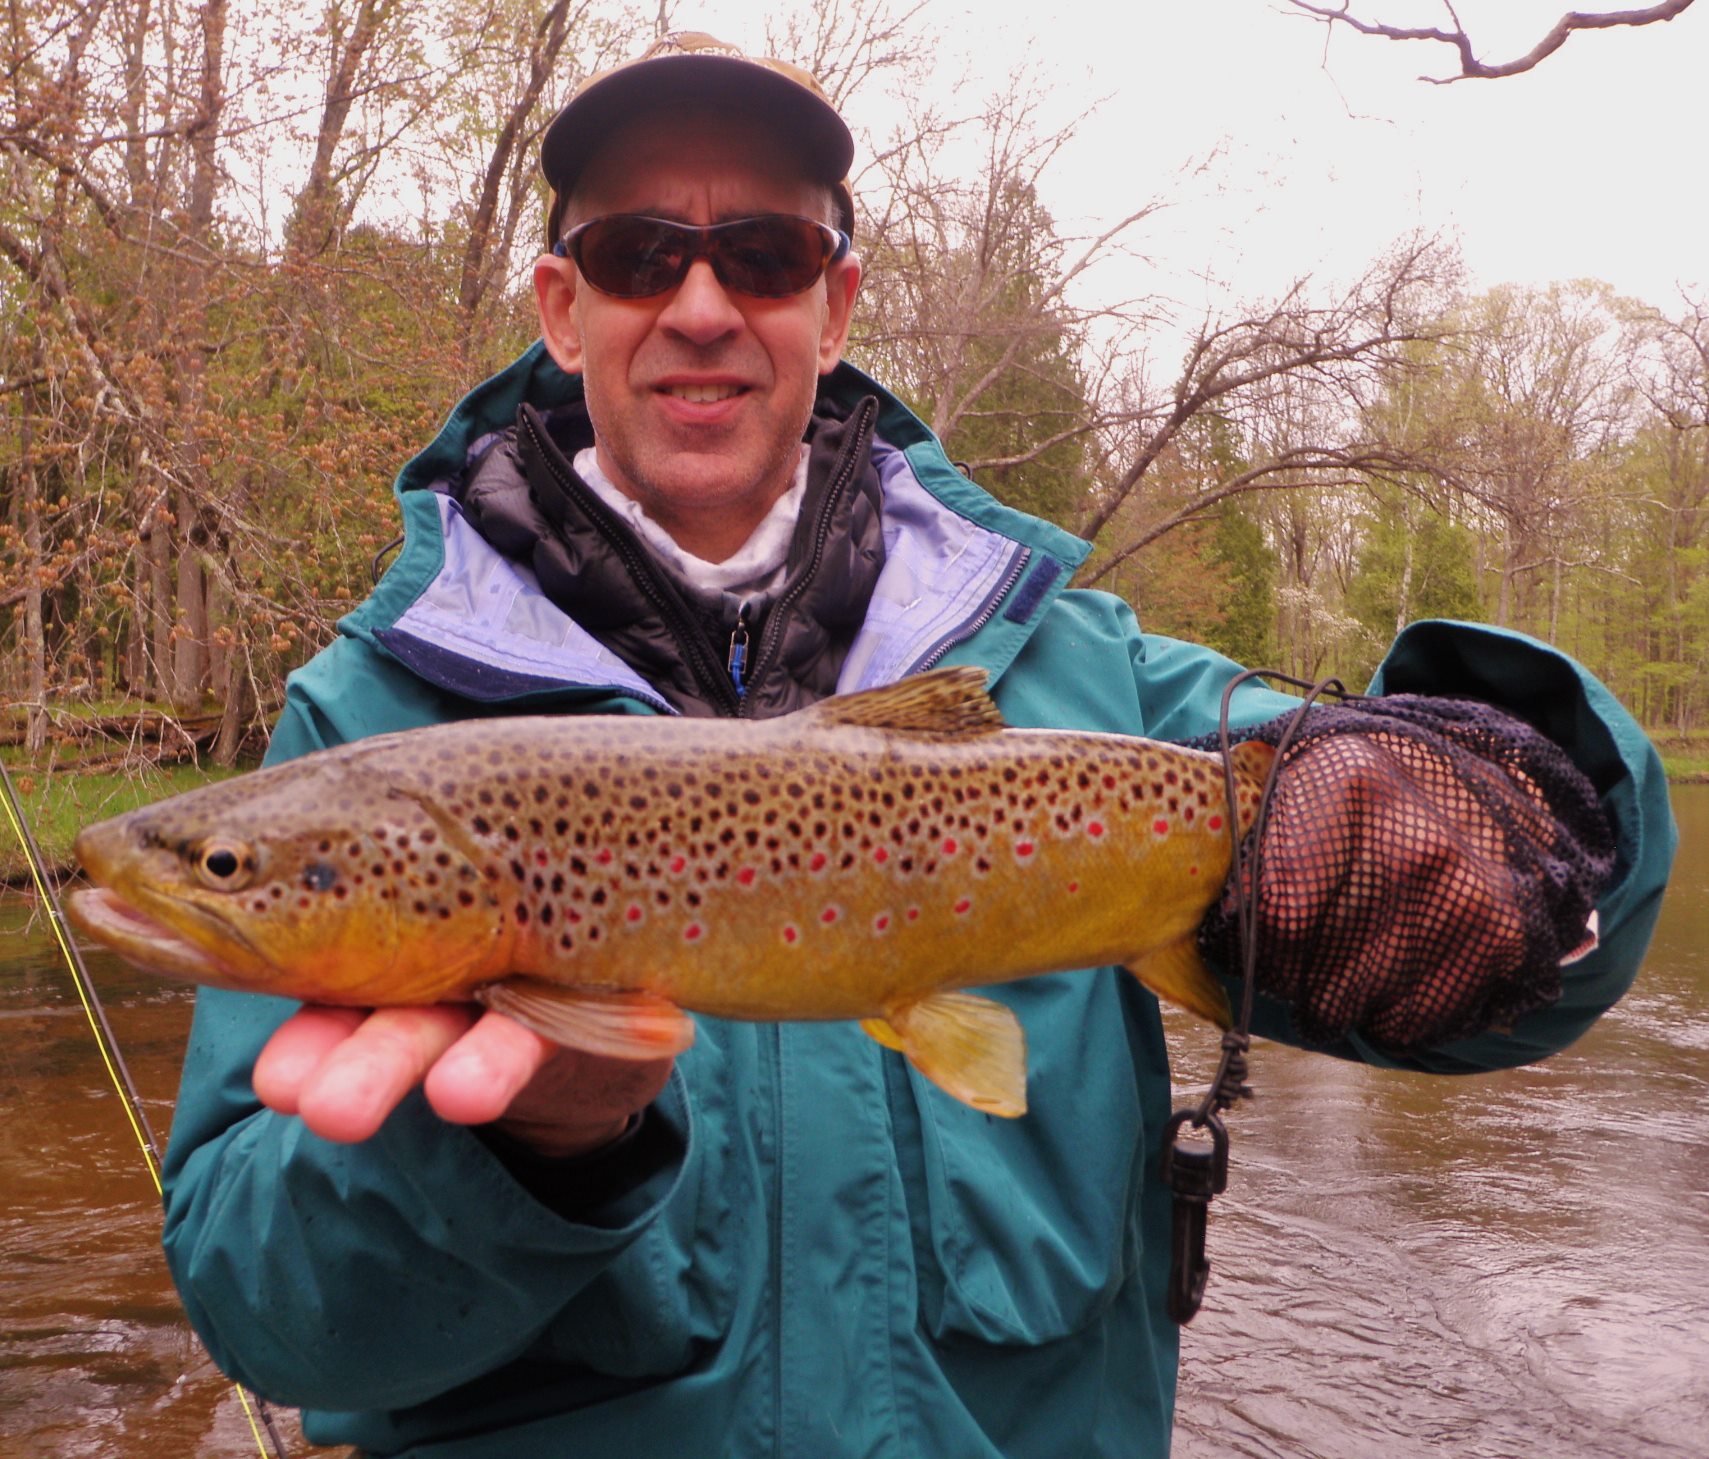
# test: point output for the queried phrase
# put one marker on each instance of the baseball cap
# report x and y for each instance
(691, 66)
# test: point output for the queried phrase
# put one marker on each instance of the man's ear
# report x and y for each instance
(842, 283)
(555, 281)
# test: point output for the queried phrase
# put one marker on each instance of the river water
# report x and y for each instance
(1509, 1265)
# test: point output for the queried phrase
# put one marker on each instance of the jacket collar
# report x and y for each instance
(965, 578)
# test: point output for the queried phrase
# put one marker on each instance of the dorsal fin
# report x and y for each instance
(949, 702)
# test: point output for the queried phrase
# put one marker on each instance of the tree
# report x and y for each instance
(1290, 379)
(970, 309)
(1535, 402)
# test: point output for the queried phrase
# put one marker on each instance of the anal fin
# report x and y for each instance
(1178, 974)
(970, 1047)
(617, 1025)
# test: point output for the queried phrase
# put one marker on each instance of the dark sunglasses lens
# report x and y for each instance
(769, 257)
(632, 257)
(636, 257)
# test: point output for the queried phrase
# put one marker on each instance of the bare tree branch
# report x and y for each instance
(1471, 68)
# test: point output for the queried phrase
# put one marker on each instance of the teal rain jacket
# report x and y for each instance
(837, 1259)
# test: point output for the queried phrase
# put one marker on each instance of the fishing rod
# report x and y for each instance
(255, 1409)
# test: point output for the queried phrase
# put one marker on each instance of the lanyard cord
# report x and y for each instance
(254, 1409)
(1197, 1175)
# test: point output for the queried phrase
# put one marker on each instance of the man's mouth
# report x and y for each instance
(701, 394)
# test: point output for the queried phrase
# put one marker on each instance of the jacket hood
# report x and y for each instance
(964, 579)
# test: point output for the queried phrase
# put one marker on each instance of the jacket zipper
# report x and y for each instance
(933, 655)
(705, 668)
(853, 451)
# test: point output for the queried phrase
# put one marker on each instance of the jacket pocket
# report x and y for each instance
(1025, 1230)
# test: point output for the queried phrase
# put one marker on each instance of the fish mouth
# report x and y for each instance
(146, 941)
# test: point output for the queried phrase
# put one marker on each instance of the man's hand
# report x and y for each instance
(1392, 903)
(344, 1070)
(1427, 865)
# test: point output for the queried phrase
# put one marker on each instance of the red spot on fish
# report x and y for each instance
(1160, 826)
(828, 916)
(1094, 828)
(1109, 782)
(604, 856)
(540, 857)
(881, 855)
(677, 865)
(1024, 848)
(881, 923)
(633, 915)
(790, 933)
(1215, 823)
(913, 914)
(963, 907)
(746, 876)
(572, 915)
(1187, 814)
(691, 933)
(818, 862)
(1192, 871)
(949, 845)
(1073, 886)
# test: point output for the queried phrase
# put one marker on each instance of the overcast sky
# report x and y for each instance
(1589, 166)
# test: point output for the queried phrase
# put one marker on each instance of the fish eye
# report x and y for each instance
(223, 865)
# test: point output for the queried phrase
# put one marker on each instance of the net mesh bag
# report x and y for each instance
(1426, 866)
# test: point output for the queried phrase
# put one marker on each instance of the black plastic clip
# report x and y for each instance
(1194, 1176)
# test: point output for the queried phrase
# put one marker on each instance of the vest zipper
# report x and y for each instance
(696, 651)
(853, 452)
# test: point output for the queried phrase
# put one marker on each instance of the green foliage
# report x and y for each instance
(58, 805)
(1423, 567)
(1239, 555)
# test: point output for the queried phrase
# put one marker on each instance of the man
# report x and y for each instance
(784, 1243)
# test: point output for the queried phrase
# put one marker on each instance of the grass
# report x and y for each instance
(59, 802)
(1684, 757)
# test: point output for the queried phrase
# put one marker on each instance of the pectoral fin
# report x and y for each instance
(617, 1025)
(1177, 973)
(970, 1047)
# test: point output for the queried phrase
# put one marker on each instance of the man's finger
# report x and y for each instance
(297, 1049)
(485, 1070)
(349, 1094)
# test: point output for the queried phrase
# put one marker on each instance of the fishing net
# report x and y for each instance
(1426, 866)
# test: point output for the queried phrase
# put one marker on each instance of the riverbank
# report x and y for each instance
(59, 800)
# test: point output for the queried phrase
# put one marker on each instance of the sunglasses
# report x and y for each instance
(630, 256)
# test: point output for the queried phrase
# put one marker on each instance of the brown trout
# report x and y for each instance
(866, 858)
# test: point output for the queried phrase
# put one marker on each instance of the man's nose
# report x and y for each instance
(701, 310)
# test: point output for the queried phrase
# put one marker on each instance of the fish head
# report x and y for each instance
(325, 882)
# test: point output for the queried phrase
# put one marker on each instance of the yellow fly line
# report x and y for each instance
(255, 1412)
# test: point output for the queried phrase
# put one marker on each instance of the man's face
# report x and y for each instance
(699, 396)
